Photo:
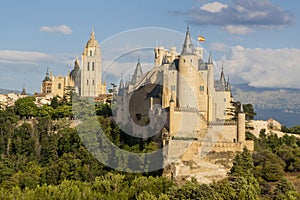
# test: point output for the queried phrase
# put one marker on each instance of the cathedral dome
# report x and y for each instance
(75, 71)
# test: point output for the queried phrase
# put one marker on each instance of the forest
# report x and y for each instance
(43, 157)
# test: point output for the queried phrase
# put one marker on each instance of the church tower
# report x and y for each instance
(91, 84)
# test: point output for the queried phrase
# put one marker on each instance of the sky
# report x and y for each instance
(256, 42)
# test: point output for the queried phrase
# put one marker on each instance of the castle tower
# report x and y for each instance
(189, 80)
(210, 88)
(241, 127)
(91, 85)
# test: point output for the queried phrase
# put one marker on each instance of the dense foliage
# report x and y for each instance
(294, 130)
(43, 158)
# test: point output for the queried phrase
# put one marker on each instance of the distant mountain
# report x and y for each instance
(5, 91)
(280, 104)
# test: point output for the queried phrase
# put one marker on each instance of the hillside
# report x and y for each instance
(280, 104)
(6, 91)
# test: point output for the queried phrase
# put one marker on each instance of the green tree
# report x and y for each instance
(25, 107)
(242, 164)
(249, 111)
(54, 103)
(285, 190)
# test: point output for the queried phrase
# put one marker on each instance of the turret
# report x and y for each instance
(222, 77)
(210, 74)
(121, 88)
(188, 77)
(241, 126)
(188, 48)
(171, 116)
(198, 51)
(173, 53)
(138, 73)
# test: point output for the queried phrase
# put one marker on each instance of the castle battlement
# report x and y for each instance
(199, 109)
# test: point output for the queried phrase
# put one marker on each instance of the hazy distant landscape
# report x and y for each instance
(279, 104)
(282, 105)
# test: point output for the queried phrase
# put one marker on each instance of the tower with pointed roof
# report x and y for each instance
(199, 107)
(47, 83)
(91, 69)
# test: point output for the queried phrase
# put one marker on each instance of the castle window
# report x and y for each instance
(59, 86)
(224, 99)
(93, 82)
(173, 87)
(87, 82)
(202, 88)
(93, 66)
(88, 66)
(91, 53)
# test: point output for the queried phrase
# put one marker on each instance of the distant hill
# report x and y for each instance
(5, 91)
(280, 104)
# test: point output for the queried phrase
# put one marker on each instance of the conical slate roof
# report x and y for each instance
(188, 48)
(138, 73)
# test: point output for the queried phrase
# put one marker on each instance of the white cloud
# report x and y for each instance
(264, 67)
(232, 29)
(238, 14)
(32, 57)
(22, 57)
(19, 65)
(219, 46)
(213, 7)
(57, 29)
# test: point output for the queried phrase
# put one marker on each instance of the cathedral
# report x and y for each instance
(85, 78)
(194, 112)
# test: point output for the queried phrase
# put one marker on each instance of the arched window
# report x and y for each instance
(87, 82)
(91, 53)
(93, 66)
(88, 66)
(59, 86)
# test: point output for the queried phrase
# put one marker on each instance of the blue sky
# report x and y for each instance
(257, 41)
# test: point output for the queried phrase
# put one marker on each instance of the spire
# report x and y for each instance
(47, 77)
(228, 85)
(23, 89)
(92, 34)
(92, 41)
(138, 73)
(187, 46)
(222, 78)
(76, 64)
(121, 87)
(210, 60)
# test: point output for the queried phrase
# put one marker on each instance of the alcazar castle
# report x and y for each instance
(179, 97)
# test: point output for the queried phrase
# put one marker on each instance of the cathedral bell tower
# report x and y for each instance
(91, 84)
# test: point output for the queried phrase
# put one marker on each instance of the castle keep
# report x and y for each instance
(194, 112)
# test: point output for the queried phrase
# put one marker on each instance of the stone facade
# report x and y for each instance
(199, 110)
(91, 78)
(85, 78)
